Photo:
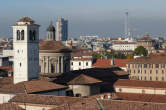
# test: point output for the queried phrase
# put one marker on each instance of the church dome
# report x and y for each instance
(51, 28)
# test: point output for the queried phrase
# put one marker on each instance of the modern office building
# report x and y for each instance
(61, 29)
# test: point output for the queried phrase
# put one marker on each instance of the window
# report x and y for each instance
(162, 78)
(145, 77)
(34, 35)
(18, 35)
(157, 65)
(71, 63)
(86, 63)
(20, 64)
(156, 71)
(22, 35)
(30, 35)
(139, 65)
(145, 65)
(120, 90)
(150, 71)
(145, 71)
(162, 65)
(150, 78)
(52, 68)
(156, 78)
(150, 65)
(134, 71)
(79, 63)
(143, 91)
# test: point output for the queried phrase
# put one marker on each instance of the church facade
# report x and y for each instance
(54, 57)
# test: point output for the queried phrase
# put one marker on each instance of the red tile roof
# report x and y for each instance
(140, 83)
(33, 86)
(152, 59)
(54, 46)
(142, 97)
(6, 68)
(8, 106)
(84, 79)
(107, 62)
(81, 53)
(26, 19)
(43, 99)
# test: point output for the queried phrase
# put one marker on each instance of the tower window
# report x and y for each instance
(30, 35)
(20, 64)
(18, 35)
(22, 35)
(34, 35)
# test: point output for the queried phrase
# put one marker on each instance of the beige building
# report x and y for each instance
(147, 42)
(140, 87)
(147, 68)
(54, 57)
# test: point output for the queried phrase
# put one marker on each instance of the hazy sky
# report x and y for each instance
(87, 17)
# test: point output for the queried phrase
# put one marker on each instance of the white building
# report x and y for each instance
(26, 50)
(124, 46)
(81, 61)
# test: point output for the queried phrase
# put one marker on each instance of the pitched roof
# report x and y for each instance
(54, 46)
(81, 53)
(108, 75)
(107, 62)
(43, 99)
(92, 104)
(140, 83)
(6, 68)
(152, 59)
(142, 97)
(8, 106)
(26, 19)
(84, 79)
(145, 38)
(32, 86)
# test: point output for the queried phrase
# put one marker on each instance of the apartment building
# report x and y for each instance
(147, 68)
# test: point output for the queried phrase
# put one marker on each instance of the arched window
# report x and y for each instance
(22, 35)
(18, 35)
(34, 35)
(52, 68)
(30, 35)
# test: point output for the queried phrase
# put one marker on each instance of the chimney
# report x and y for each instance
(112, 60)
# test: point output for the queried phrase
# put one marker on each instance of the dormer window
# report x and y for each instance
(22, 35)
(18, 35)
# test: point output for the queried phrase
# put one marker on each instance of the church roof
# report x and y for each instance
(84, 79)
(26, 19)
(53, 46)
(51, 27)
(33, 86)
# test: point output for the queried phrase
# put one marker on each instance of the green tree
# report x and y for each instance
(140, 50)
(96, 56)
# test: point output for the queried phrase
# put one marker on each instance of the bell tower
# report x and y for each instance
(26, 47)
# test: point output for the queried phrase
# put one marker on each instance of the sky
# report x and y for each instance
(87, 17)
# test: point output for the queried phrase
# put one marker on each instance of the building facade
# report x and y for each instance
(26, 57)
(61, 30)
(147, 42)
(124, 46)
(147, 68)
(80, 60)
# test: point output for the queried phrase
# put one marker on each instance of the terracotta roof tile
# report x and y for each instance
(8, 106)
(26, 19)
(28, 86)
(55, 46)
(140, 83)
(84, 79)
(43, 99)
(152, 59)
(142, 97)
(107, 62)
